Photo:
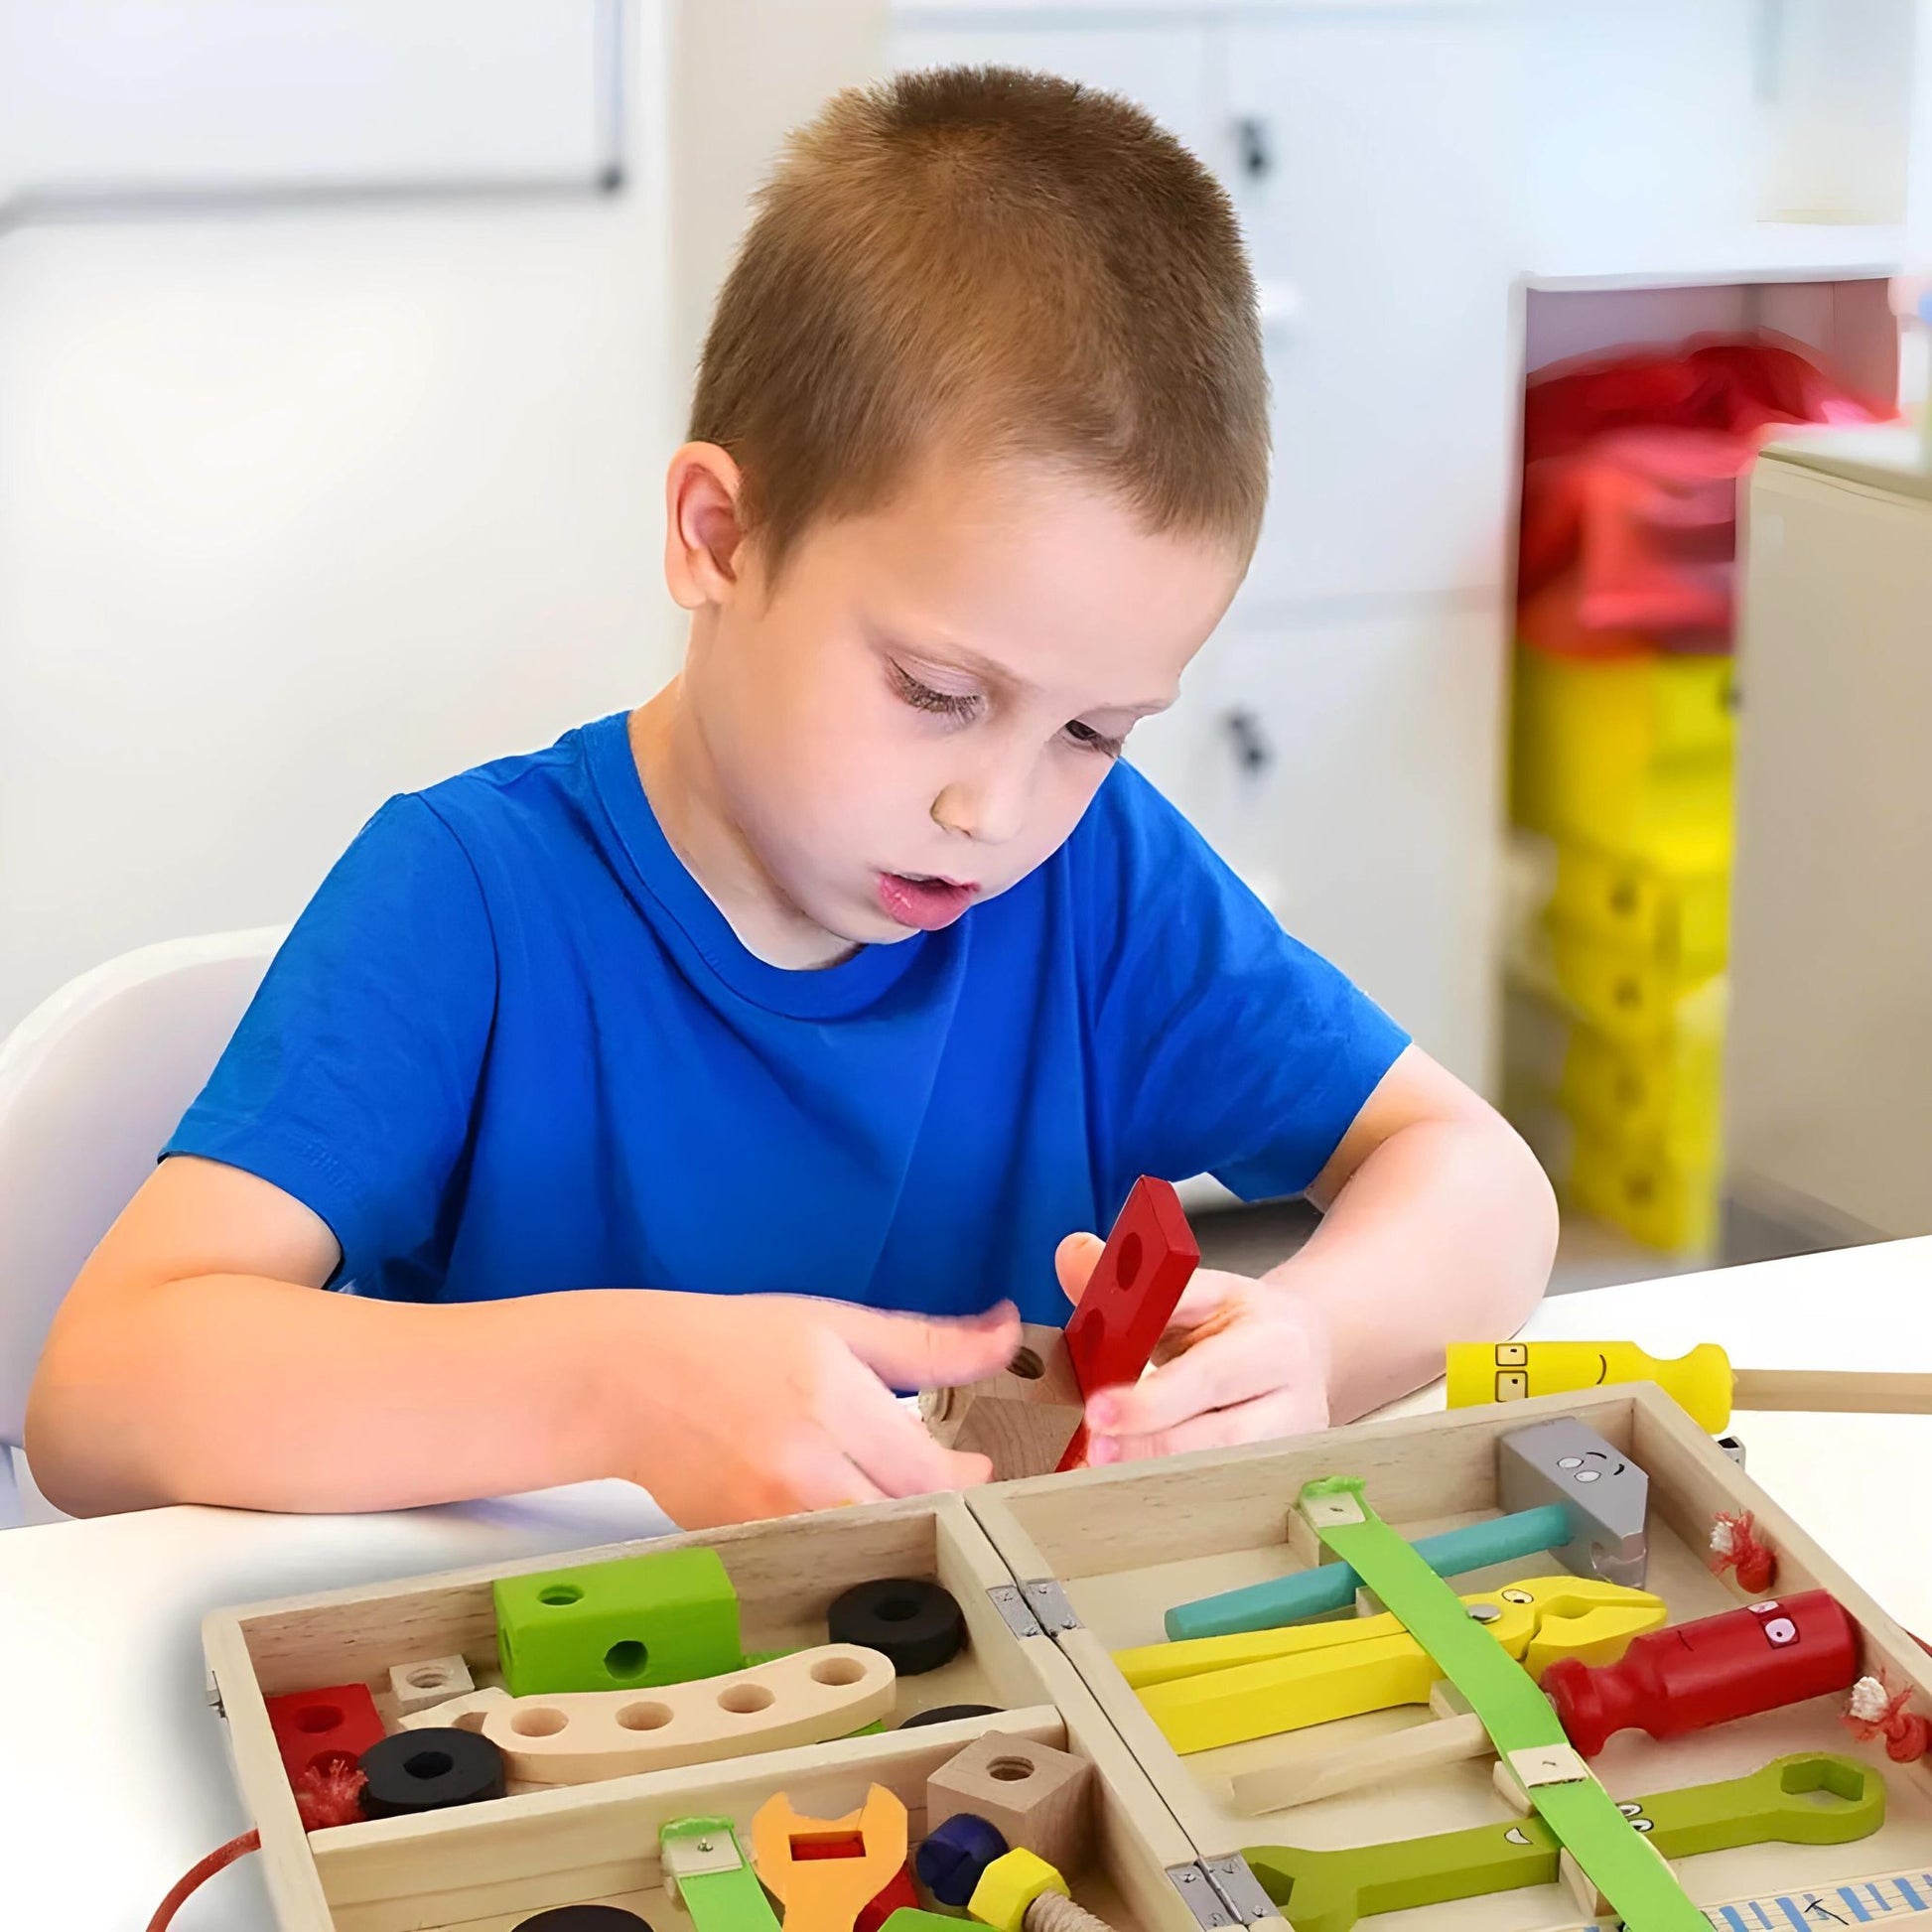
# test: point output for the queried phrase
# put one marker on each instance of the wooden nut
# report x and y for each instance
(1009, 1886)
(1038, 1798)
(1022, 1419)
(431, 1680)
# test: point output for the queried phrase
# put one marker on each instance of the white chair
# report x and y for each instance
(91, 1084)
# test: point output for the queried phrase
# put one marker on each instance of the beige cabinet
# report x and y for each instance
(1829, 1079)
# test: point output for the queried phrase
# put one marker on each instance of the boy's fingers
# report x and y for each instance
(887, 1443)
(1215, 1373)
(1208, 1291)
(1074, 1263)
(914, 1351)
(819, 1474)
(1280, 1412)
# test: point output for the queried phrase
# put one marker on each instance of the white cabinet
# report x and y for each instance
(1339, 739)
(137, 100)
(1376, 195)
(1347, 768)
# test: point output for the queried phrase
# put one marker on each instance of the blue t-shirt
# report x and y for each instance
(512, 1046)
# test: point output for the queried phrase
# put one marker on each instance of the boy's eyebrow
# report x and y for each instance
(968, 659)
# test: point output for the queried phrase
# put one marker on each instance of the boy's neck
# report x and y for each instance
(680, 782)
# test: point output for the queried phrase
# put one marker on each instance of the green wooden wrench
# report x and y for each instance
(1809, 1798)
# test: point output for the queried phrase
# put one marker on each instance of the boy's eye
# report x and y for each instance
(922, 697)
(1094, 741)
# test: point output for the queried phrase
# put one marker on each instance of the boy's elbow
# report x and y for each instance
(1533, 1212)
(70, 1427)
(44, 1443)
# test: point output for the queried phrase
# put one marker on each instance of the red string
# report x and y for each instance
(195, 1874)
(1736, 1545)
(329, 1792)
(1906, 1735)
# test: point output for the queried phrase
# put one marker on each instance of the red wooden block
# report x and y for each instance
(1150, 1257)
(901, 1892)
(314, 1724)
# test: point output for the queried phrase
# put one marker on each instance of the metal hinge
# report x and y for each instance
(1050, 1605)
(1732, 1447)
(1007, 1600)
(213, 1693)
(1241, 1891)
(1198, 1892)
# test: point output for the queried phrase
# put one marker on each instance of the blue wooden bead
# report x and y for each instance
(952, 1857)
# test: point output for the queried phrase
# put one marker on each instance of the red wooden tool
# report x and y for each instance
(1136, 1286)
(1733, 1665)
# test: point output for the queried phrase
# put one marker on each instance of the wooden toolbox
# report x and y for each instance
(485, 1867)
(1054, 1574)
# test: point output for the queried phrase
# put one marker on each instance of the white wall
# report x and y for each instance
(298, 509)
(745, 73)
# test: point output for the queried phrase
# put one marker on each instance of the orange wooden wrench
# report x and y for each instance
(826, 1895)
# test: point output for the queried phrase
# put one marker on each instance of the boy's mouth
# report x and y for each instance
(923, 903)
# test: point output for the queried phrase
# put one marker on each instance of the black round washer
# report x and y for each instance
(585, 1918)
(942, 1713)
(429, 1769)
(915, 1623)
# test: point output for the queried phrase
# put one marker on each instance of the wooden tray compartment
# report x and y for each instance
(1125, 1544)
(485, 1867)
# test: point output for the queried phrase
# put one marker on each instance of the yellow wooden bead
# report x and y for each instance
(1009, 1886)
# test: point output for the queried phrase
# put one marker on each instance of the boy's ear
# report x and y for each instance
(703, 537)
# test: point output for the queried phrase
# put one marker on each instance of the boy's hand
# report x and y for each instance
(1242, 1361)
(736, 1407)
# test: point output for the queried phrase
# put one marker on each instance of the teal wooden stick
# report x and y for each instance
(1333, 1587)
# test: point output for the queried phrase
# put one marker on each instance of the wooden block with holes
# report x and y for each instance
(1037, 1797)
(1022, 1418)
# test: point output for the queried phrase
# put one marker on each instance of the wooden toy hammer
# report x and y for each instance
(1702, 1380)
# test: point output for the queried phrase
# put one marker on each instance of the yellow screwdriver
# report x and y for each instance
(1703, 1381)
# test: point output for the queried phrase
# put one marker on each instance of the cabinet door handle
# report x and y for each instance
(1254, 146)
(1252, 750)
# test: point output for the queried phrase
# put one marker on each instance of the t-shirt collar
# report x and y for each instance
(805, 993)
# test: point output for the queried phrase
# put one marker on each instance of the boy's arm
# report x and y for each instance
(1437, 1226)
(196, 1359)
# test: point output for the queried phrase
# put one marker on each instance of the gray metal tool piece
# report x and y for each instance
(1606, 1494)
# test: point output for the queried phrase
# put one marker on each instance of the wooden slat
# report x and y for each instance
(1423, 1468)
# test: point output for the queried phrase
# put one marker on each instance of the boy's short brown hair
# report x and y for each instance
(991, 263)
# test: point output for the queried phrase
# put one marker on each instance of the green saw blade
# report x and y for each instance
(1502, 1694)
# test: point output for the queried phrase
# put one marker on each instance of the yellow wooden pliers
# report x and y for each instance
(1212, 1691)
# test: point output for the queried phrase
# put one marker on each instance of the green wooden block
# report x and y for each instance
(662, 1618)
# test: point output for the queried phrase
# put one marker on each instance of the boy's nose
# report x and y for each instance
(991, 808)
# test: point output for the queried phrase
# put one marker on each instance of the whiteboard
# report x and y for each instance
(133, 100)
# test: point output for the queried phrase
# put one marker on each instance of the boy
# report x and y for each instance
(669, 1096)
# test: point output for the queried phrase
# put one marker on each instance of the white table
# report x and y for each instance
(115, 1777)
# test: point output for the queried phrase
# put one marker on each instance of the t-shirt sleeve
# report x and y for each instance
(1221, 1046)
(351, 1080)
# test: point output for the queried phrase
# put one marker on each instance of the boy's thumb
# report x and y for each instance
(912, 1351)
(1074, 1261)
